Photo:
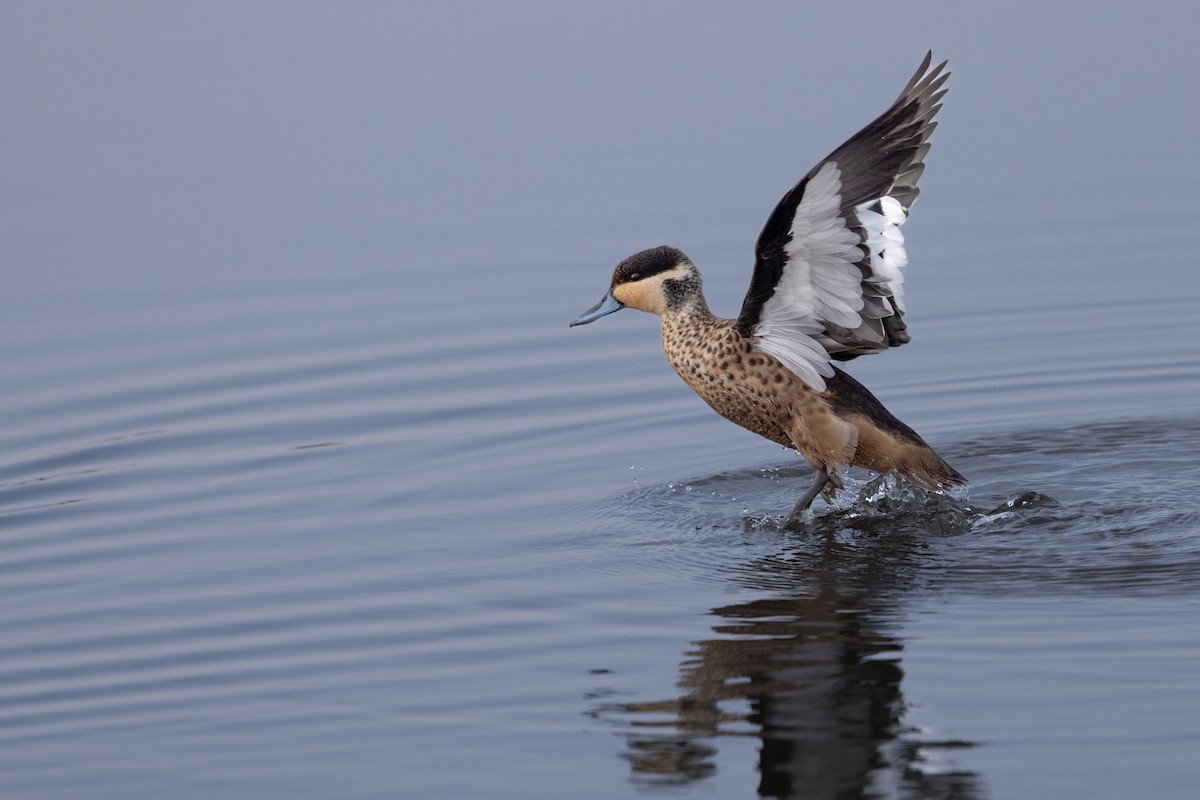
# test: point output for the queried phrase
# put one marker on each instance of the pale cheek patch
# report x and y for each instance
(635, 295)
(648, 294)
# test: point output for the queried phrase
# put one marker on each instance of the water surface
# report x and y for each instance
(306, 489)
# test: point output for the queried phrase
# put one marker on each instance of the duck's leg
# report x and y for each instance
(810, 494)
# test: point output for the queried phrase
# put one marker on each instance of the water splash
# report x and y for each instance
(891, 501)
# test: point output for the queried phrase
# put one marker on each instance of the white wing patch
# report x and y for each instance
(822, 282)
(886, 244)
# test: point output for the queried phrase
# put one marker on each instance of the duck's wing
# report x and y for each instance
(827, 280)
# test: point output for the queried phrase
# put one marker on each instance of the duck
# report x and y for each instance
(826, 288)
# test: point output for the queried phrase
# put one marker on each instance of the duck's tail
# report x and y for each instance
(884, 442)
(924, 466)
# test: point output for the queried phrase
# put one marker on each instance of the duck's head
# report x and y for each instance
(658, 280)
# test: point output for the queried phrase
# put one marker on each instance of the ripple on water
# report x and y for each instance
(808, 659)
(1107, 507)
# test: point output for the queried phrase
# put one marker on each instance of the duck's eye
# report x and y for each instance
(637, 276)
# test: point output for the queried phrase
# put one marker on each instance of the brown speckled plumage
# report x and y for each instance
(712, 358)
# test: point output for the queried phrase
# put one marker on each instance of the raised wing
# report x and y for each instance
(827, 275)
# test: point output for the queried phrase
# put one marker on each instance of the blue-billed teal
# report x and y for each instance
(826, 287)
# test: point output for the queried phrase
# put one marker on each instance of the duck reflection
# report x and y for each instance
(817, 665)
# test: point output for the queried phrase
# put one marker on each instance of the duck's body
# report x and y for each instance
(825, 287)
(845, 424)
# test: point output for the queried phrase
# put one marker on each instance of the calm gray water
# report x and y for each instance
(307, 491)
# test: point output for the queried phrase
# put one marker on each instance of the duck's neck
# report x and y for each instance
(684, 296)
(691, 309)
(686, 299)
